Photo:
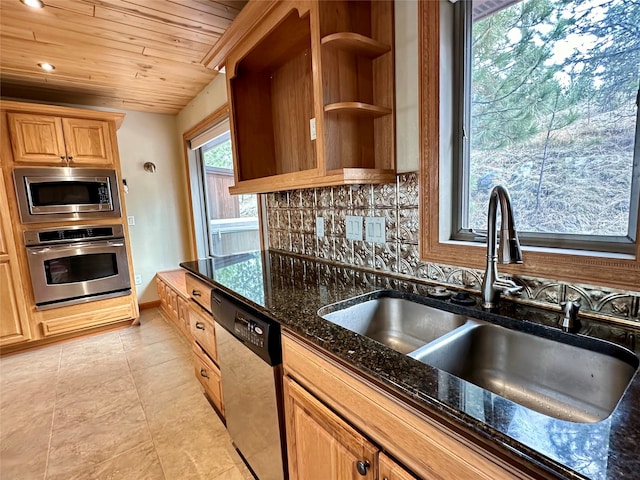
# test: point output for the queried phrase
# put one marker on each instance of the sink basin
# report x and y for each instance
(557, 379)
(398, 323)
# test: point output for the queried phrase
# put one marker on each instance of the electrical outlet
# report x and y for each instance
(354, 227)
(131, 220)
(375, 229)
(137, 279)
(320, 227)
(312, 128)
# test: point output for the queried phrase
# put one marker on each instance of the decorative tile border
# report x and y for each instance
(291, 221)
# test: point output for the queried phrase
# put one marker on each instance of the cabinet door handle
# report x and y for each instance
(196, 293)
(203, 373)
(199, 326)
(362, 467)
(70, 159)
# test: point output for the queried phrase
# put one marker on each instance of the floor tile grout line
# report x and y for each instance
(53, 415)
(144, 413)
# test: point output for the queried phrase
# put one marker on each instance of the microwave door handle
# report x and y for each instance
(115, 244)
(39, 251)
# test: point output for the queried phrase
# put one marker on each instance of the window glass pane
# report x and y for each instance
(232, 219)
(553, 114)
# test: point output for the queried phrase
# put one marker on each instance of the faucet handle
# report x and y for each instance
(570, 322)
(506, 286)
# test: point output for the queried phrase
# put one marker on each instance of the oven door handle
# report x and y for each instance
(38, 251)
(75, 246)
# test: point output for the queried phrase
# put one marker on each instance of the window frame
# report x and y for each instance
(193, 166)
(591, 267)
(462, 73)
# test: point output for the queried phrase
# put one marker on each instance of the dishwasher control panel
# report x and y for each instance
(258, 333)
(250, 329)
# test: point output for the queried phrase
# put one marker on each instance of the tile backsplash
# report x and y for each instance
(291, 217)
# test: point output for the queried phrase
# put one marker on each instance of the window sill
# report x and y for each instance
(549, 250)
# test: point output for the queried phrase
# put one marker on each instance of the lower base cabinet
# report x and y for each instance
(342, 426)
(320, 444)
(174, 300)
(208, 374)
(390, 470)
(184, 299)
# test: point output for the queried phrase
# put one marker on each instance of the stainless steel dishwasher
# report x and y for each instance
(250, 356)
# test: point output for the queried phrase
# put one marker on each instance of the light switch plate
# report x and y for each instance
(137, 279)
(375, 229)
(320, 227)
(353, 227)
(131, 220)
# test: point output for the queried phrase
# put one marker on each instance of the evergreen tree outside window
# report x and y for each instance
(551, 112)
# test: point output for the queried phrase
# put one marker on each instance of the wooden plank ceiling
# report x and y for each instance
(140, 55)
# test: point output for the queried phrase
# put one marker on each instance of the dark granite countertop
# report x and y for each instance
(291, 289)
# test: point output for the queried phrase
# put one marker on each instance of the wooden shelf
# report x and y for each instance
(357, 108)
(272, 75)
(356, 43)
(341, 176)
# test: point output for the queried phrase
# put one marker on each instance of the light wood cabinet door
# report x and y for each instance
(390, 470)
(88, 142)
(37, 139)
(320, 444)
(50, 140)
(183, 316)
(14, 320)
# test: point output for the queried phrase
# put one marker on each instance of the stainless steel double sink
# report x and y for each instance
(578, 379)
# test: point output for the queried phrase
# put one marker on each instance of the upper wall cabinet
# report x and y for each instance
(50, 140)
(311, 91)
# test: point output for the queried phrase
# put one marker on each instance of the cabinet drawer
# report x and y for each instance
(209, 376)
(202, 331)
(199, 291)
(84, 316)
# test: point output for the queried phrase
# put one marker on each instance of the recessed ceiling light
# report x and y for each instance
(33, 3)
(47, 67)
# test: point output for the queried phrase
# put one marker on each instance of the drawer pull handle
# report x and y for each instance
(203, 373)
(196, 293)
(200, 326)
(362, 467)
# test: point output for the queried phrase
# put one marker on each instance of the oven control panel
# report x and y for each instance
(70, 234)
(250, 330)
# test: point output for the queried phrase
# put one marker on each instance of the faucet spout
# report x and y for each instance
(508, 252)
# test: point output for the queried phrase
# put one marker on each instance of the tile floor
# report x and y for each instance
(123, 405)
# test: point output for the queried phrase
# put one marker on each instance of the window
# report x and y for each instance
(225, 224)
(551, 113)
(439, 178)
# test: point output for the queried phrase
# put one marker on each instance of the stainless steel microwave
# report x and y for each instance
(52, 194)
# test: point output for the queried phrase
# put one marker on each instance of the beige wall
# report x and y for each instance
(208, 100)
(156, 200)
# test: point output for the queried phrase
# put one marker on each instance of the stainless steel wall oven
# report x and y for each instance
(77, 264)
(61, 194)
